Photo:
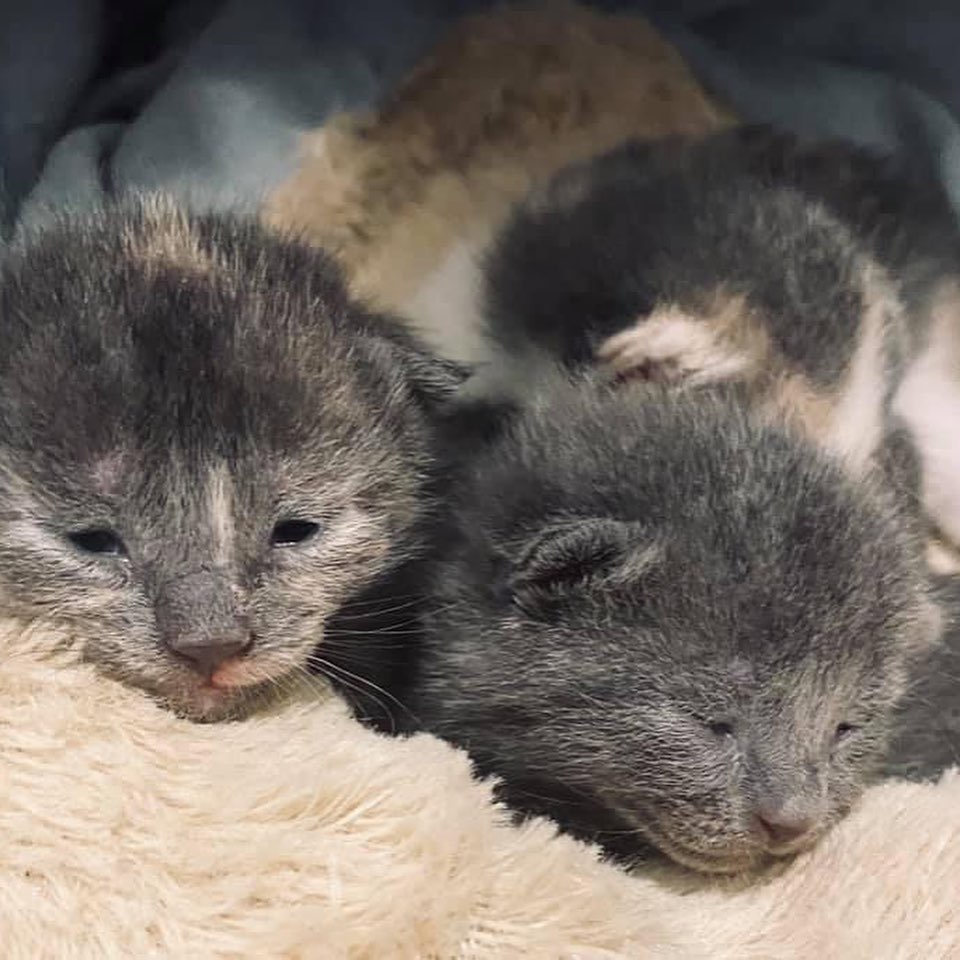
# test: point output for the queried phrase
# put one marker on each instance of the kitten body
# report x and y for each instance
(810, 273)
(206, 448)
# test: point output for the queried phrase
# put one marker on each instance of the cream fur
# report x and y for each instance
(126, 832)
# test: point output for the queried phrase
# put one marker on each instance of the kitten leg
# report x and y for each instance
(673, 345)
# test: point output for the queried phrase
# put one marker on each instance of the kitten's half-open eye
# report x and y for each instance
(720, 728)
(844, 731)
(98, 540)
(288, 533)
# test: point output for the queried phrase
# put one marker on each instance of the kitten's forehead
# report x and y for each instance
(156, 335)
(107, 472)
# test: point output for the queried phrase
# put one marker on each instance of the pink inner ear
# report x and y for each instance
(107, 472)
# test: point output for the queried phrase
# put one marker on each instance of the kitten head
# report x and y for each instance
(663, 623)
(205, 448)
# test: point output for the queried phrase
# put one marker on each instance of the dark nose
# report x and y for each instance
(781, 824)
(207, 655)
(200, 618)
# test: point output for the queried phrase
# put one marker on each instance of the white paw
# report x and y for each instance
(670, 345)
(942, 559)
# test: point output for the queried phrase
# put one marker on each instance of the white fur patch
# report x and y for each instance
(858, 420)
(942, 560)
(928, 402)
(446, 308)
(220, 506)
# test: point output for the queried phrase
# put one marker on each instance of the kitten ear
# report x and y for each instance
(468, 424)
(570, 557)
(432, 379)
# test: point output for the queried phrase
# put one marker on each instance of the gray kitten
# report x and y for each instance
(206, 449)
(666, 622)
(816, 273)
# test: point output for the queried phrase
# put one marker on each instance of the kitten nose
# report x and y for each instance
(781, 825)
(207, 655)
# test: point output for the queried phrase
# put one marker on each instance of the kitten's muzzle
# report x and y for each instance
(786, 828)
(783, 830)
(200, 621)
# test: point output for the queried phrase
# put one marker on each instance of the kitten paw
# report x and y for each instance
(943, 559)
(671, 346)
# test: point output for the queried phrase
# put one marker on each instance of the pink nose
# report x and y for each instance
(206, 656)
(781, 825)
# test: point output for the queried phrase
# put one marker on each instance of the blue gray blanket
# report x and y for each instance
(207, 98)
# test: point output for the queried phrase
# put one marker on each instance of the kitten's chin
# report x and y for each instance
(735, 861)
(211, 705)
(237, 688)
(204, 700)
(720, 863)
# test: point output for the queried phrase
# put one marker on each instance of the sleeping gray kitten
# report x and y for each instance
(206, 449)
(667, 623)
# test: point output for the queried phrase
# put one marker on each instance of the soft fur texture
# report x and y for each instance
(407, 195)
(664, 622)
(126, 832)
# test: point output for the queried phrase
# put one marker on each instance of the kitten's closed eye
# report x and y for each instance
(98, 540)
(288, 533)
(719, 728)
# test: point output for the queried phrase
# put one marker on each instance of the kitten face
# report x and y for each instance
(203, 444)
(692, 636)
(722, 721)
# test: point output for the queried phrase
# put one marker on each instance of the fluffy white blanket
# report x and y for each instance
(126, 832)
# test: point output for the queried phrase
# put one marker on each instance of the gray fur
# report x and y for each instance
(655, 618)
(173, 388)
(751, 211)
